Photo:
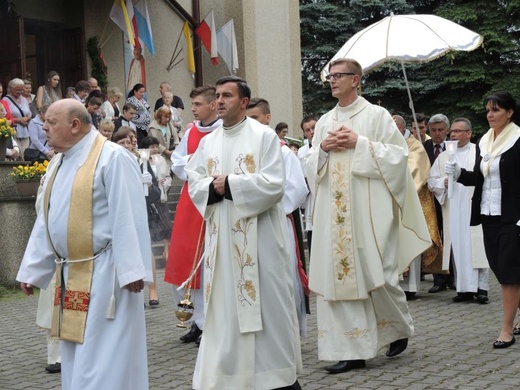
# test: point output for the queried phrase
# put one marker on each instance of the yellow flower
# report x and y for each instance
(29, 172)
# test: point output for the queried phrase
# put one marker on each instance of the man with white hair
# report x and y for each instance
(93, 233)
(460, 240)
(177, 101)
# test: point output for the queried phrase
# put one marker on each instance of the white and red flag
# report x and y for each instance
(208, 35)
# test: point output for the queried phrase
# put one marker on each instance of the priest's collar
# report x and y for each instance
(208, 124)
(235, 125)
(349, 105)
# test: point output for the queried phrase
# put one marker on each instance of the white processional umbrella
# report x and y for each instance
(406, 39)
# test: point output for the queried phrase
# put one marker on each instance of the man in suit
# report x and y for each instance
(438, 126)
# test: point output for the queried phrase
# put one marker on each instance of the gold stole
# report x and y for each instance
(69, 315)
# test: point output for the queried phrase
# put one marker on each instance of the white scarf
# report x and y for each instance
(491, 148)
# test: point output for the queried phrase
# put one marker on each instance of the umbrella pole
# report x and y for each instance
(410, 103)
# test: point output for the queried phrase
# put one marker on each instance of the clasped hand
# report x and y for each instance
(340, 139)
(219, 184)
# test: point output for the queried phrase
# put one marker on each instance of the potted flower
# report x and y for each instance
(28, 177)
(6, 132)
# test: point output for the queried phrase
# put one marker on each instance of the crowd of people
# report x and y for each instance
(391, 204)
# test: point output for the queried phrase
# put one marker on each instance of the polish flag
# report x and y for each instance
(208, 35)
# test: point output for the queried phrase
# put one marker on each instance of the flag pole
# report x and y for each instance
(170, 66)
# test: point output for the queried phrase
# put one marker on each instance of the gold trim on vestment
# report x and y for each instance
(71, 308)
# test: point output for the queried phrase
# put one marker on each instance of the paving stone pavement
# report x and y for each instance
(451, 349)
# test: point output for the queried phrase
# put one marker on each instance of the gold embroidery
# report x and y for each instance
(208, 291)
(213, 163)
(382, 324)
(357, 333)
(322, 333)
(208, 263)
(250, 289)
(250, 163)
(340, 211)
(248, 160)
(244, 259)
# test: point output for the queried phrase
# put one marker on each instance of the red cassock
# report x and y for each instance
(187, 241)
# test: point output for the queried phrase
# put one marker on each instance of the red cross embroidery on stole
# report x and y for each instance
(76, 300)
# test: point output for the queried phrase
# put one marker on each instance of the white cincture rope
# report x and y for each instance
(65, 260)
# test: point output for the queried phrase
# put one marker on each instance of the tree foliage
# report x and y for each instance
(455, 84)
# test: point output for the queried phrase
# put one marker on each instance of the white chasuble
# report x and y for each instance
(368, 226)
(251, 336)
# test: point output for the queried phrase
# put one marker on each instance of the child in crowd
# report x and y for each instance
(106, 128)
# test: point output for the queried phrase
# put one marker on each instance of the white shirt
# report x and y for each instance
(491, 190)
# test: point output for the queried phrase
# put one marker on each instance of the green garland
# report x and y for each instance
(99, 69)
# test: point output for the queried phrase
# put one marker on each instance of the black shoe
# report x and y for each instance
(153, 303)
(516, 330)
(436, 289)
(463, 297)
(499, 344)
(397, 347)
(294, 386)
(345, 365)
(410, 296)
(482, 297)
(53, 368)
(192, 335)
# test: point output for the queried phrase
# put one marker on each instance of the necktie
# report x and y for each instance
(437, 151)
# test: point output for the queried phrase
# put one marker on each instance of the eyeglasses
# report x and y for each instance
(337, 76)
(458, 131)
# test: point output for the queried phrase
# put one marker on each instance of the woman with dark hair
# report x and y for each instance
(281, 130)
(496, 202)
(142, 118)
(50, 92)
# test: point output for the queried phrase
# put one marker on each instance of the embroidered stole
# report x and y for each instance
(70, 309)
(243, 239)
(343, 259)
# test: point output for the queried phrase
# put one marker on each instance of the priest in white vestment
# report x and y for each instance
(111, 352)
(295, 192)
(370, 225)
(236, 181)
(462, 241)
